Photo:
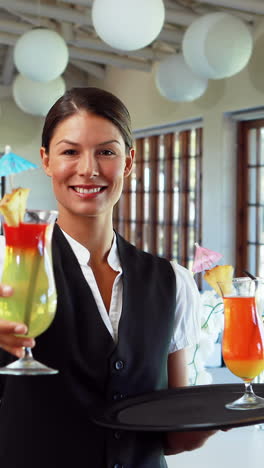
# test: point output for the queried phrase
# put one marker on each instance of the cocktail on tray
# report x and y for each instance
(243, 337)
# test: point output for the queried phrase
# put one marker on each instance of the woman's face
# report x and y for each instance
(87, 162)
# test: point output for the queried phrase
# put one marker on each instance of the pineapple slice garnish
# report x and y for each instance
(220, 273)
(13, 206)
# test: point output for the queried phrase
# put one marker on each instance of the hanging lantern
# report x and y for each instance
(128, 24)
(37, 98)
(217, 45)
(177, 82)
(41, 55)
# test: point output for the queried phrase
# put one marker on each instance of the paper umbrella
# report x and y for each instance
(204, 259)
(11, 163)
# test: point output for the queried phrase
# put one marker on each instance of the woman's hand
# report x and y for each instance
(177, 442)
(8, 341)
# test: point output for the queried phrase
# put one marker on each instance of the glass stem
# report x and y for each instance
(248, 389)
(28, 354)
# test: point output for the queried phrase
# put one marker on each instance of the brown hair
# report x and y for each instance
(94, 100)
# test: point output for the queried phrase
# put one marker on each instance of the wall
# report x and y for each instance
(148, 109)
(23, 133)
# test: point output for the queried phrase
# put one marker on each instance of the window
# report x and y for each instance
(250, 198)
(160, 209)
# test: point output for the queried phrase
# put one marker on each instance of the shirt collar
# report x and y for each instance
(83, 254)
(113, 256)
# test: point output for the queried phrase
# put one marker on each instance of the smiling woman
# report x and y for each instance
(124, 316)
(87, 160)
(87, 153)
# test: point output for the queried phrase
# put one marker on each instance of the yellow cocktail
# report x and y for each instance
(28, 269)
(30, 272)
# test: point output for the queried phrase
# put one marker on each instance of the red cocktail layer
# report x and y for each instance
(25, 236)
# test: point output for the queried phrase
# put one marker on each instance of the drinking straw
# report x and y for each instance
(249, 275)
(31, 287)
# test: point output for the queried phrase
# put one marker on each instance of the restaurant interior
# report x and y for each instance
(191, 73)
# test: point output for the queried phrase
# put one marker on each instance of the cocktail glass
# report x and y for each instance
(243, 337)
(28, 269)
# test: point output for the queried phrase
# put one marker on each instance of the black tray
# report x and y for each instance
(199, 407)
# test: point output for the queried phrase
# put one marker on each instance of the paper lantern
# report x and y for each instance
(41, 55)
(128, 24)
(177, 82)
(37, 98)
(217, 45)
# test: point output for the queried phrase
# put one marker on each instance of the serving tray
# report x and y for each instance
(200, 407)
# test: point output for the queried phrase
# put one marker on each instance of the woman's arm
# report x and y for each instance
(177, 369)
(177, 442)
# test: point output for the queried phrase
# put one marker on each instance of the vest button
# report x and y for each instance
(118, 396)
(119, 365)
(118, 465)
(117, 435)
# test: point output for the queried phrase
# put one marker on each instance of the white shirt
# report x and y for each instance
(187, 313)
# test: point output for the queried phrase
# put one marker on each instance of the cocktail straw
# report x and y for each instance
(249, 275)
(31, 287)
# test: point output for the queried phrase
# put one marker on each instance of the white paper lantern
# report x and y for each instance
(217, 45)
(41, 55)
(37, 98)
(177, 82)
(128, 24)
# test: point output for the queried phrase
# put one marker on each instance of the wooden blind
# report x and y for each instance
(160, 209)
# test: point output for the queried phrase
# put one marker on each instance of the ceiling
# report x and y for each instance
(88, 54)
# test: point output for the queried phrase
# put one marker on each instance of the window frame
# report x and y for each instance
(242, 203)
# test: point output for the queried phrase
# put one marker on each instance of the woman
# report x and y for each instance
(123, 318)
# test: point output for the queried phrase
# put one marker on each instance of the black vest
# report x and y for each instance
(44, 421)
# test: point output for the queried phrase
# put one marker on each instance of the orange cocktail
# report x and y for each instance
(243, 339)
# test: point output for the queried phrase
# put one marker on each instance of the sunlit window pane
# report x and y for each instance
(161, 207)
(261, 146)
(261, 224)
(146, 150)
(133, 206)
(176, 206)
(252, 185)
(161, 240)
(261, 263)
(252, 259)
(146, 178)
(161, 148)
(252, 221)
(146, 206)
(261, 184)
(252, 147)
(191, 212)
